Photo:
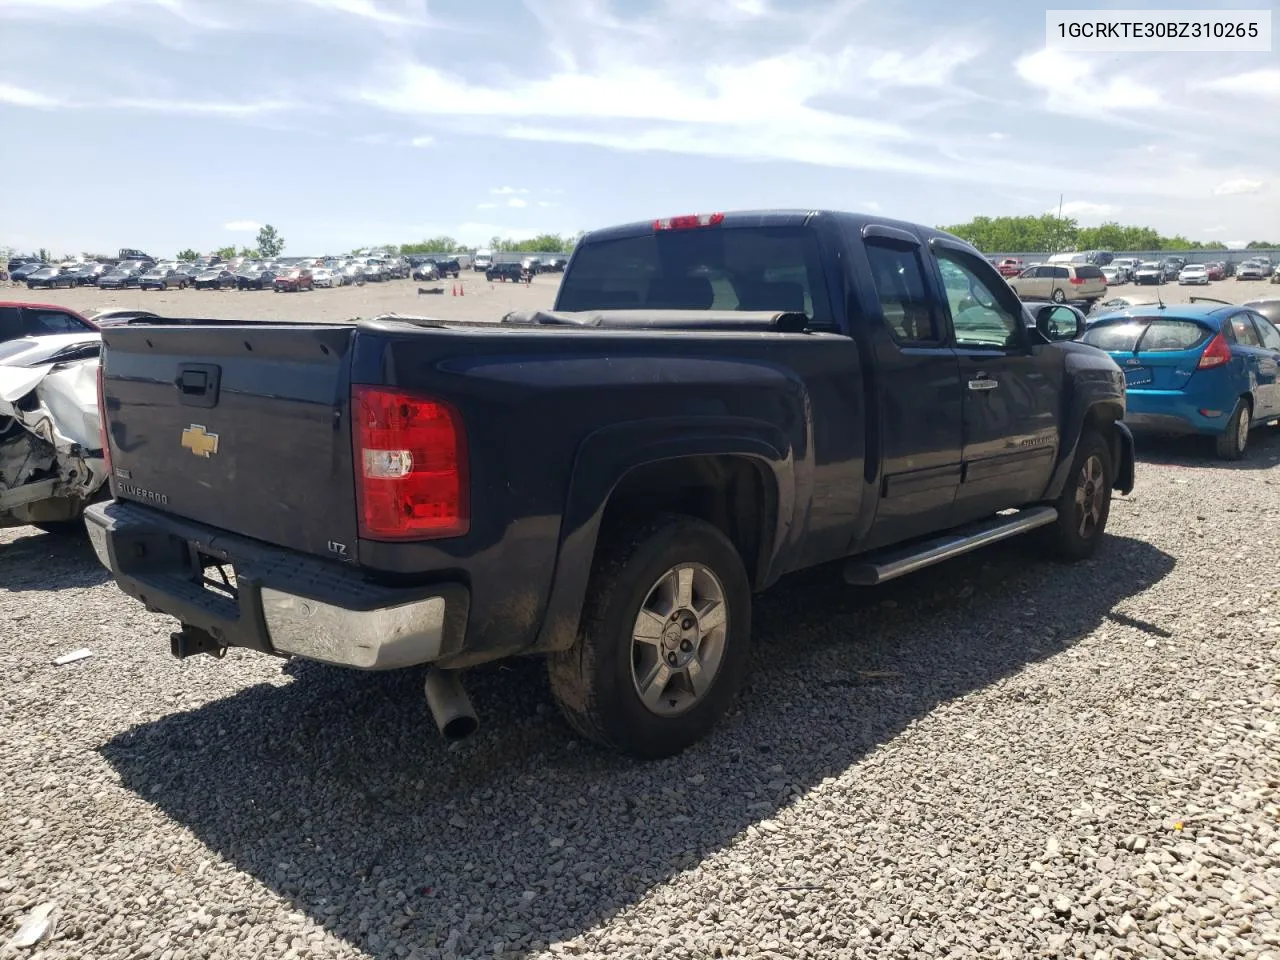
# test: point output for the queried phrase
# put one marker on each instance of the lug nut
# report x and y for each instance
(686, 646)
(672, 659)
(688, 623)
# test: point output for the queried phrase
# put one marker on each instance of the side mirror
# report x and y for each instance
(1057, 323)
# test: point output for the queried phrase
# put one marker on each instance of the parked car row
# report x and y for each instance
(215, 274)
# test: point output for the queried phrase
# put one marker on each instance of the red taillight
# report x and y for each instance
(102, 417)
(1215, 354)
(1076, 281)
(410, 465)
(689, 221)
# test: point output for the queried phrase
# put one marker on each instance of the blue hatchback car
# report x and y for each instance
(1196, 368)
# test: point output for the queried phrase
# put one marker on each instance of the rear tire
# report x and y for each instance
(668, 611)
(1084, 504)
(1058, 296)
(1232, 443)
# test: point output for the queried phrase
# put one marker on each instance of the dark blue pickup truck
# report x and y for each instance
(713, 401)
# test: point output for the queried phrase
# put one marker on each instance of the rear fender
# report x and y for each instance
(606, 457)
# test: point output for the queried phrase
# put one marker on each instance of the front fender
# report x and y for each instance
(606, 457)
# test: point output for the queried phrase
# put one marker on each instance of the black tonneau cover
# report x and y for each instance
(738, 320)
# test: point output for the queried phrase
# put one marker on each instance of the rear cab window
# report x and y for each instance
(1088, 272)
(900, 287)
(765, 268)
(1146, 335)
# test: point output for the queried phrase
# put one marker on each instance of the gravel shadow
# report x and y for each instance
(334, 790)
(31, 559)
(1262, 453)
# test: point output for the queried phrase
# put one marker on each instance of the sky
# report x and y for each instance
(167, 124)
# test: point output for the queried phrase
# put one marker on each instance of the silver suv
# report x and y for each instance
(1060, 282)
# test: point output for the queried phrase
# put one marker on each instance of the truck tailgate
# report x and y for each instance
(240, 426)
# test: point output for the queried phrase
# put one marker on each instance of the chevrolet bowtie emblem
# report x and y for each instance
(202, 444)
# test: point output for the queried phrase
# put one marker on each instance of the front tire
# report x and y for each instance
(1232, 443)
(663, 644)
(1084, 504)
(1059, 296)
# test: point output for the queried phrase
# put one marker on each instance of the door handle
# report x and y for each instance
(983, 382)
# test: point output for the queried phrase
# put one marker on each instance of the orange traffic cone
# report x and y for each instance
(462, 290)
(455, 289)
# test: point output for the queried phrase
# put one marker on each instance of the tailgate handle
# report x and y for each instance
(197, 384)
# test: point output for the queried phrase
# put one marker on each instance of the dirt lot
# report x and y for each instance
(479, 299)
(998, 757)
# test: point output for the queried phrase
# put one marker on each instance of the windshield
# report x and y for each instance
(744, 268)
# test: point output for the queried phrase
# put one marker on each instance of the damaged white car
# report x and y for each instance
(51, 463)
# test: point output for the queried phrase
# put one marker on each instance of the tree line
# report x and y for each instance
(1048, 233)
(542, 243)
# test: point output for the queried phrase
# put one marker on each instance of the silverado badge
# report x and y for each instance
(199, 442)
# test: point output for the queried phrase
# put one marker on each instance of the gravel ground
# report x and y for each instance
(480, 300)
(1000, 757)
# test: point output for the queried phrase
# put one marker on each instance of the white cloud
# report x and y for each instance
(516, 202)
(22, 97)
(1085, 208)
(367, 10)
(1074, 87)
(1263, 84)
(997, 136)
(932, 67)
(874, 206)
(486, 206)
(184, 10)
(242, 226)
(1214, 230)
(719, 11)
(247, 108)
(422, 141)
(547, 203)
(506, 191)
(1229, 188)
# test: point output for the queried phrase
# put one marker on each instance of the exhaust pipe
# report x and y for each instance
(449, 704)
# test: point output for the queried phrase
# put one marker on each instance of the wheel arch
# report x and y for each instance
(1105, 415)
(735, 473)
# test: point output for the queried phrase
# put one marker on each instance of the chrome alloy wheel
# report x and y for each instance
(1091, 491)
(678, 640)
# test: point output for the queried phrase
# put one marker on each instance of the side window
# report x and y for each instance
(10, 323)
(977, 316)
(51, 321)
(1243, 329)
(900, 287)
(1061, 273)
(1269, 334)
(1042, 272)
